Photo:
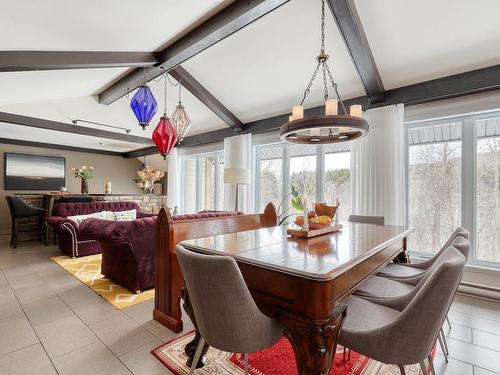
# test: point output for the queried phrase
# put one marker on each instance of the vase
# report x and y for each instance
(85, 186)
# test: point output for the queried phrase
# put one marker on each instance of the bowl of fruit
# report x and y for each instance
(315, 222)
(320, 222)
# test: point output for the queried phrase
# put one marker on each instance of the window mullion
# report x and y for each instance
(320, 173)
(469, 179)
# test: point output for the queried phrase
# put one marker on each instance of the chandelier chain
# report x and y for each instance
(309, 85)
(325, 84)
(334, 85)
(322, 26)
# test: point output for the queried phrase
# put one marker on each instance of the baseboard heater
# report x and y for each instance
(479, 290)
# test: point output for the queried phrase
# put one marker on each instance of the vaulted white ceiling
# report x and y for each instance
(257, 72)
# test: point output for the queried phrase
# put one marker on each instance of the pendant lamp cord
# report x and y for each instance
(325, 69)
(165, 96)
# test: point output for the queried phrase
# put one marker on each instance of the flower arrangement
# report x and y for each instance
(148, 176)
(83, 172)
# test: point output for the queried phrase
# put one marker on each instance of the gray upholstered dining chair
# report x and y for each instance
(396, 294)
(226, 314)
(402, 271)
(385, 333)
(378, 220)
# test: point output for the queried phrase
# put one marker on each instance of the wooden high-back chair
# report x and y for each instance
(169, 279)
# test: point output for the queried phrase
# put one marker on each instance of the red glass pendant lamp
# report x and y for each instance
(164, 135)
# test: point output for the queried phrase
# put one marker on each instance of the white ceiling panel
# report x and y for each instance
(19, 87)
(24, 133)
(414, 41)
(118, 113)
(109, 25)
(263, 69)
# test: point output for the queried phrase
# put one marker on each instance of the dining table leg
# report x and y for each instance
(191, 346)
(314, 341)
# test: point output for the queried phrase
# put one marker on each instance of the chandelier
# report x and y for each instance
(180, 119)
(331, 127)
(164, 135)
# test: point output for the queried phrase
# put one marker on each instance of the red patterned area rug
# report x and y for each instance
(277, 360)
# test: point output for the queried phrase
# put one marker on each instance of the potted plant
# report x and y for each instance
(84, 173)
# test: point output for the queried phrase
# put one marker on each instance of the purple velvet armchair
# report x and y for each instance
(71, 241)
(128, 247)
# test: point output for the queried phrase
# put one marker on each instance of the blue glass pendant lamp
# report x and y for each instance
(144, 105)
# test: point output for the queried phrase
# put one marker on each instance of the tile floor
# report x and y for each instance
(50, 323)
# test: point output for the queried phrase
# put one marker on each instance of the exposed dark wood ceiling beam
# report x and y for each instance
(54, 146)
(473, 82)
(193, 86)
(234, 17)
(34, 122)
(350, 27)
(17, 61)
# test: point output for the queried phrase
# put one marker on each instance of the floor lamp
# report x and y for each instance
(237, 176)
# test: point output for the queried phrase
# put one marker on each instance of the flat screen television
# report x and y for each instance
(34, 172)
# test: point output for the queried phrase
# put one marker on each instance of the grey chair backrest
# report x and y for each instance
(459, 244)
(226, 314)
(417, 327)
(462, 232)
(378, 220)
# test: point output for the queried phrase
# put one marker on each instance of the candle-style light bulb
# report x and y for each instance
(355, 110)
(331, 107)
(297, 112)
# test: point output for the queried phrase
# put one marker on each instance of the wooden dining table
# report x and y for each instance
(302, 282)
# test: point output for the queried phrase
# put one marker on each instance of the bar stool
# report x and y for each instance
(19, 209)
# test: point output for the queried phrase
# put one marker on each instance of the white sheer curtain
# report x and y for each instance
(173, 180)
(377, 166)
(237, 154)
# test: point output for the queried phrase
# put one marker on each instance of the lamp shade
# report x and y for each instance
(144, 105)
(237, 176)
(164, 136)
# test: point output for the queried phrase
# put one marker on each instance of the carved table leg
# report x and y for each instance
(190, 348)
(314, 341)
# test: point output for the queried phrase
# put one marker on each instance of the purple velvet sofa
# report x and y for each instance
(71, 242)
(128, 247)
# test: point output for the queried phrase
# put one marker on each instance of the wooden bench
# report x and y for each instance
(169, 280)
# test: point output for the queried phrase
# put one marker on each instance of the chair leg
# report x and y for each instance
(445, 342)
(246, 363)
(448, 321)
(197, 355)
(13, 227)
(40, 227)
(402, 369)
(423, 367)
(431, 364)
(15, 230)
(443, 349)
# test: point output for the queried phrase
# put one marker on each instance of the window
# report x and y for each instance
(337, 186)
(322, 172)
(203, 182)
(270, 182)
(488, 190)
(454, 180)
(434, 172)
(303, 170)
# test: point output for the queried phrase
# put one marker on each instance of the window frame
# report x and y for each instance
(468, 176)
(218, 156)
(285, 170)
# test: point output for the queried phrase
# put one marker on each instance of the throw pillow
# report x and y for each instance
(125, 215)
(78, 219)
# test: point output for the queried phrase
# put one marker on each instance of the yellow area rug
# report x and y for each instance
(88, 271)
